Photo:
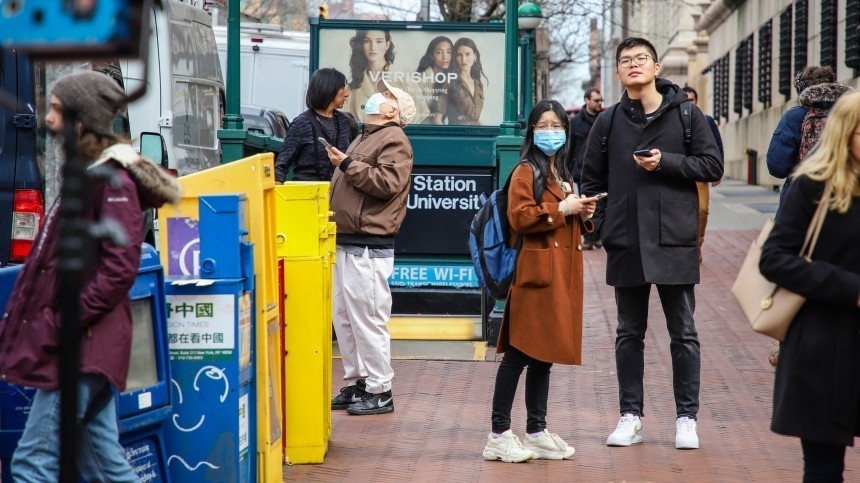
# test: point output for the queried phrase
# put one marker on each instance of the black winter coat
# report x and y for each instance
(649, 223)
(580, 126)
(817, 381)
(305, 154)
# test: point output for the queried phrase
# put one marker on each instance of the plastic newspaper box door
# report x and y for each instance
(305, 244)
(179, 233)
(145, 405)
(211, 327)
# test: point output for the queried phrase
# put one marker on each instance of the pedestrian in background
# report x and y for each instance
(580, 126)
(549, 275)
(649, 228)
(702, 187)
(30, 329)
(302, 151)
(368, 195)
(783, 152)
(817, 387)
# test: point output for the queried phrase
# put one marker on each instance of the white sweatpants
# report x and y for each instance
(362, 307)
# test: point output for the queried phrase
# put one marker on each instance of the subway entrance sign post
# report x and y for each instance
(455, 73)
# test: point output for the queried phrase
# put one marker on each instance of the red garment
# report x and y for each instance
(29, 330)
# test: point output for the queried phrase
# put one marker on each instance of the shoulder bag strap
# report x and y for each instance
(815, 224)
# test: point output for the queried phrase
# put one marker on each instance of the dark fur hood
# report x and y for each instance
(154, 184)
(823, 96)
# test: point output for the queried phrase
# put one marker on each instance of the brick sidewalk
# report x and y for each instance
(442, 414)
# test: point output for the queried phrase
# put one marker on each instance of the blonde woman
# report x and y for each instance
(817, 387)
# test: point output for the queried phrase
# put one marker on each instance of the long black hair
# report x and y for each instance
(533, 154)
(427, 60)
(358, 61)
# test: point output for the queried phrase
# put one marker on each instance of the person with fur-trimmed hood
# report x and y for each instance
(30, 328)
(817, 91)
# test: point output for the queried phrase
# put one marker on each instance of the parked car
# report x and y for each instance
(270, 122)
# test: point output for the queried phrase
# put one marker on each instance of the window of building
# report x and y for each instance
(828, 33)
(852, 34)
(784, 82)
(801, 31)
(765, 36)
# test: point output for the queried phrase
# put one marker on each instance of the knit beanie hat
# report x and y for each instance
(94, 96)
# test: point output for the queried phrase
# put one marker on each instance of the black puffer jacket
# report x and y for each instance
(304, 153)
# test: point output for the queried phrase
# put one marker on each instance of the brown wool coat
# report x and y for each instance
(543, 313)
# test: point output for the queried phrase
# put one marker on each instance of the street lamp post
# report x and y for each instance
(529, 17)
(233, 135)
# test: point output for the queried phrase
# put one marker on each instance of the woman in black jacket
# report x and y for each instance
(817, 388)
(302, 151)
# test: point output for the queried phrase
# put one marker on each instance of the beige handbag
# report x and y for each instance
(768, 308)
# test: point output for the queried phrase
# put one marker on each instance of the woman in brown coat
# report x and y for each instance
(543, 314)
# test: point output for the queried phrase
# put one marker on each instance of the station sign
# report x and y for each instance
(440, 208)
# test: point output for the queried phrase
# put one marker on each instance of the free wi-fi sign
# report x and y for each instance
(75, 28)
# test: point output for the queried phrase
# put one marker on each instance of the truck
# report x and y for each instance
(274, 63)
(175, 123)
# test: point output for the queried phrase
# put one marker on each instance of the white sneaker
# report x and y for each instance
(548, 446)
(685, 433)
(627, 432)
(507, 448)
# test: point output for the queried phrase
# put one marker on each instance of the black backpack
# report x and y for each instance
(605, 123)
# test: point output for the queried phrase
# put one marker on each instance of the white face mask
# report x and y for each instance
(374, 103)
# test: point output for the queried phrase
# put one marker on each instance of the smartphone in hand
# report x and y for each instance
(324, 142)
(600, 196)
(642, 152)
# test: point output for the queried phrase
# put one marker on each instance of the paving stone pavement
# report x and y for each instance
(442, 408)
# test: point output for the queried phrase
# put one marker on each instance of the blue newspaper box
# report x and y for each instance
(144, 406)
(211, 338)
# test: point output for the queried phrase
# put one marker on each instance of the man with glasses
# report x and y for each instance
(649, 227)
(580, 126)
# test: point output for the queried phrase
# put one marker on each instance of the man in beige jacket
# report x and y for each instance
(368, 195)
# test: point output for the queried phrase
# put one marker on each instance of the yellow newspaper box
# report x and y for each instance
(254, 177)
(306, 242)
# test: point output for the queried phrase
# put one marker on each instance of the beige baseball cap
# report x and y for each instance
(405, 103)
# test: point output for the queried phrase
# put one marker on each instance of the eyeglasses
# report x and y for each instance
(549, 127)
(640, 60)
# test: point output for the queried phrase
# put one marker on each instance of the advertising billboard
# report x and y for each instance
(456, 76)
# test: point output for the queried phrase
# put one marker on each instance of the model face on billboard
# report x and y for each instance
(442, 56)
(375, 47)
(465, 59)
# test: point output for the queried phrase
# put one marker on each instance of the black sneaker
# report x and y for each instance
(373, 404)
(349, 395)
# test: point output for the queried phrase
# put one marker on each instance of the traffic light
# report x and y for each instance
(324, 10)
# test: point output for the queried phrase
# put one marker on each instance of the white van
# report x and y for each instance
(184, 97)
(275, 65)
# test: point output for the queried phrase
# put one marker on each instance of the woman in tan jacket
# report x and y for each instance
(548, 276)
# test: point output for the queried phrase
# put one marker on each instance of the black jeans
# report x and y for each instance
(537, 391)
(822, 463)
(679, 303)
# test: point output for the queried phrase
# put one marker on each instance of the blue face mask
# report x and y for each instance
(373, 103)
(550, 141)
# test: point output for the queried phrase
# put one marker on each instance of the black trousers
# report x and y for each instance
(679, 303)
(822, 462)
(537, 391)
